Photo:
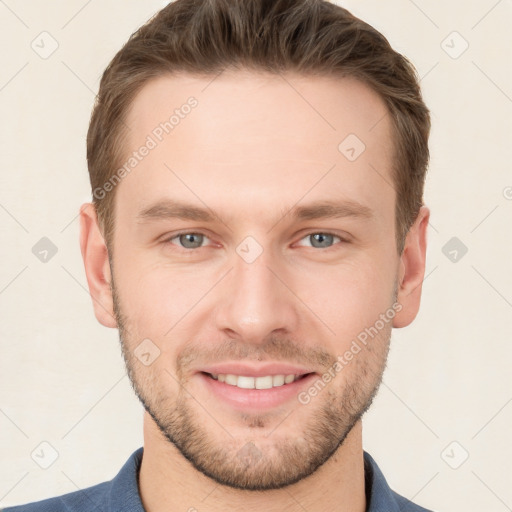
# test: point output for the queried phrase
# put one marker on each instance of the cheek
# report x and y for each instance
(155, 298)
(348, 298)
(141, 298)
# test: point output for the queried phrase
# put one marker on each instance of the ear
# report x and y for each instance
(412, 270)
(97, 267)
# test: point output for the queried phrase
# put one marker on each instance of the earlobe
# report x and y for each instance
(97, 267)
(412, 270)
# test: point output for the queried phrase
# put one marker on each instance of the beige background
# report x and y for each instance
(448, 380)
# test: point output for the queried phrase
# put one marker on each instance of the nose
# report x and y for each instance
(256, 299)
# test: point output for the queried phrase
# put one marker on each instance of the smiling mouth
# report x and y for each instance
(263, 382)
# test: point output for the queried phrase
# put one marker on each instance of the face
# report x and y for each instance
(256, 278)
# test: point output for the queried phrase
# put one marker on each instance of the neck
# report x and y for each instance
(168, 482)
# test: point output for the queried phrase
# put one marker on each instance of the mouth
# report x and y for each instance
(249, 393)
(262, 382)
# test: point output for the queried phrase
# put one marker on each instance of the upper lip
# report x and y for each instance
(261, 370)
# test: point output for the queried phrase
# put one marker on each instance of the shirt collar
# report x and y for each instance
(125, 496)
(124, 493)
(379, 495)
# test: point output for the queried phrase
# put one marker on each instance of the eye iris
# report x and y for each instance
(322, 237)
(195, 244)
(194, 240)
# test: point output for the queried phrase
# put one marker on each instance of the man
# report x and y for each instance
(257, 229)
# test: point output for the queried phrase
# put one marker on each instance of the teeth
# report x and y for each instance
(266, 382)
(262, 382)
(278, 380)
(249, 382)
(231, 379)
(289, 378)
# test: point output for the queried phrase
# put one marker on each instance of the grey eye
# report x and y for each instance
(319, 240)
(191, 240)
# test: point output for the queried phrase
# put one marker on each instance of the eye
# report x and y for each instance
(192, 240)
(188, 240)
(321, 240)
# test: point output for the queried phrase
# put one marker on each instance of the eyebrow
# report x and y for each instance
(173, 209)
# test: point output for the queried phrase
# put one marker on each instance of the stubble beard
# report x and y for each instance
(253, 462)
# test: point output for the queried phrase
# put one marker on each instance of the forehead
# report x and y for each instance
(268, 139)
(289, 107)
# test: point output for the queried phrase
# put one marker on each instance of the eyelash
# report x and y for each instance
(176, 235)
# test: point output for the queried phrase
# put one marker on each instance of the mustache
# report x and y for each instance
(276, 349)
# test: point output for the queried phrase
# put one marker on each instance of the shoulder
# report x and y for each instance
(380, 496)
(120, 493)
(406, 505)
(88, 499)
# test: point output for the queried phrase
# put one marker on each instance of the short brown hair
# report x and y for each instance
(311, 37)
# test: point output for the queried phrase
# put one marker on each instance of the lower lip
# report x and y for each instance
(251, 399)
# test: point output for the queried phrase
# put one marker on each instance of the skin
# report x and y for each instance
(252, 149)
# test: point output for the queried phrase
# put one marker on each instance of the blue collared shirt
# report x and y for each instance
(121, 494)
